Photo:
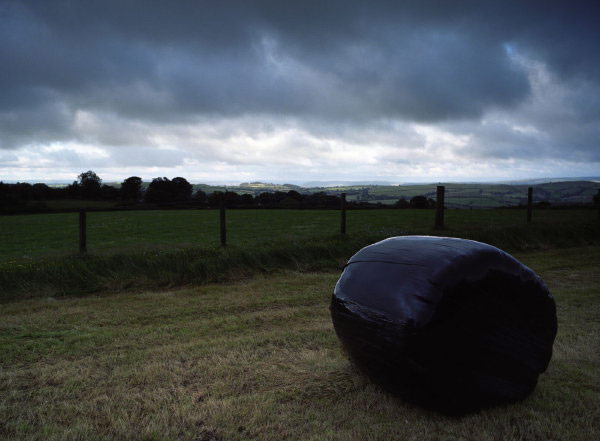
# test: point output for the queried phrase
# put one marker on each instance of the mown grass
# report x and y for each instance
(258, 359)
(141, 250)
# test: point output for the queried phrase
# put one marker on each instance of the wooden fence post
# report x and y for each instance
(529, 203)
(222, 221)
(82, 233)
(343, 213)
(439, 207)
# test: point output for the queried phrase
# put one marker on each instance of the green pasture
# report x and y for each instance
(258, 359)
(24, 238)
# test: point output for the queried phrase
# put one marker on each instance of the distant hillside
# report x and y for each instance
(547, 180)
(472, 195)
(321, 184)
(564, 191)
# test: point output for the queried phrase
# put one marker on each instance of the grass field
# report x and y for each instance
(138, 250)
(27, 237)
(258, 359)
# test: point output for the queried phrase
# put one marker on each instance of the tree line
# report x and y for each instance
(178, 192)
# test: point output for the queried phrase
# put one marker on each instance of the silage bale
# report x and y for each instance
(448, 323)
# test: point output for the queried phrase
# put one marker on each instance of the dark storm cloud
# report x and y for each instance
(239, 57)
(333, 61)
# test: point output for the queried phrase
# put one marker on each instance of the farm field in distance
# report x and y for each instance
(258, 359)
(26, 238)
(458, 195)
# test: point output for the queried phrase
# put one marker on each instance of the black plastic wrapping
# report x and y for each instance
(448, 323)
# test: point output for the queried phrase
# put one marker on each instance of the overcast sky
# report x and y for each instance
(284, 91)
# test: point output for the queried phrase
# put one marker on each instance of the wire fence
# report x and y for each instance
(115, 232)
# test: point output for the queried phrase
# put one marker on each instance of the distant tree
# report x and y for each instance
(23, 191)
(214, 199)
(295, 195)
(402, 203)
(4, 190)
(542, 204)
(318, 199)
(4, 193)
(265, 199)
(323, 200)
(131, 188)
(90, 184)
(41, 192)
(73, 190)
(419, 202)
(164, 190)
(247, 200)
(109, 192)
(159, 191)
(181, 189)
(200, 197)
(232, 199)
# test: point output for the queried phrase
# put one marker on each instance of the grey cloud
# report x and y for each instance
(144, 157)
(340, 63)
(499, 140)
(47, 121)
(63, 158)
(8, 159)
(210, 58)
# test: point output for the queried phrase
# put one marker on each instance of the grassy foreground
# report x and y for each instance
(28, 238)
(144, 250)
(258, 359)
